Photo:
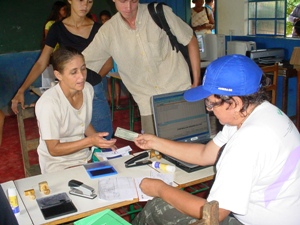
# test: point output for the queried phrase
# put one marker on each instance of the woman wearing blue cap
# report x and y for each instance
(256, 154)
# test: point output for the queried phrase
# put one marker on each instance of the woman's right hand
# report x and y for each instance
(19, 98)
(98, 139)
(145, 141)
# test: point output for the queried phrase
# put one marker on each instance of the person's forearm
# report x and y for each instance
(204, 27)
(198, 28)
(35, 72)
(194, 55)
(178, 150)
(89, 130)
(108, 65)
(57, 148)
(183, 201)
(37, 69)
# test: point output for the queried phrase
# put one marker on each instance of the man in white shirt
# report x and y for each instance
(142, 50)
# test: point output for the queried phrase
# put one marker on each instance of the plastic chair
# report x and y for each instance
(273, 71)
(27, 145)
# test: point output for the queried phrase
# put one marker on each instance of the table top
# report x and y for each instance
(184, 179)
(23, 218)
(58, 183)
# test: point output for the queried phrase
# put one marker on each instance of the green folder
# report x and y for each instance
(106, 217)
(94, 158)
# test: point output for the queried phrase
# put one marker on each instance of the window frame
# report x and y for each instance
(276, 19)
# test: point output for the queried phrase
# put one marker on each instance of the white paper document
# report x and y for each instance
(141, 195)
(128, 188)
(117, 188)
(113, 154)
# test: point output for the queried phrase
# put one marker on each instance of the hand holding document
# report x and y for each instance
(125, 134)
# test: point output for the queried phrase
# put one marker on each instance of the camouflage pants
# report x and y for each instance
(158, 212)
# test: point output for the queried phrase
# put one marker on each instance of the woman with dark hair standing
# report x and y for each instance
(58, 12)
(77, 31)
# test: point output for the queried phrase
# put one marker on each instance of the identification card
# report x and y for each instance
(125, 134)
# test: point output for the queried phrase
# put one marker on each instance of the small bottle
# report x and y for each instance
(164, 167)
(13, 200)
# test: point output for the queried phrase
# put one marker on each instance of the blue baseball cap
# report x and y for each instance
(230, 75)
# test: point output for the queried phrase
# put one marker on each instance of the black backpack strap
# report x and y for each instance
(165, 25)
(157, 14)
(153, 14)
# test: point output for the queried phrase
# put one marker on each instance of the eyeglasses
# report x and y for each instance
(210, 105)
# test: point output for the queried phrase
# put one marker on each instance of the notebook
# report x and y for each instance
(179, 120)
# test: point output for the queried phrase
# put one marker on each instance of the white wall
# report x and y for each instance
(232, 17)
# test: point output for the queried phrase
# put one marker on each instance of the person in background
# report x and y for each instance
(210, 4)
(202, 19)
(297, 28)
(146, 62)
(77, 31)
(58, 12)
(104, 16)
(257, 154)
(64, 115)
(294, 17)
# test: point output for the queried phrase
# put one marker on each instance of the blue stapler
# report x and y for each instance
(138, 160)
